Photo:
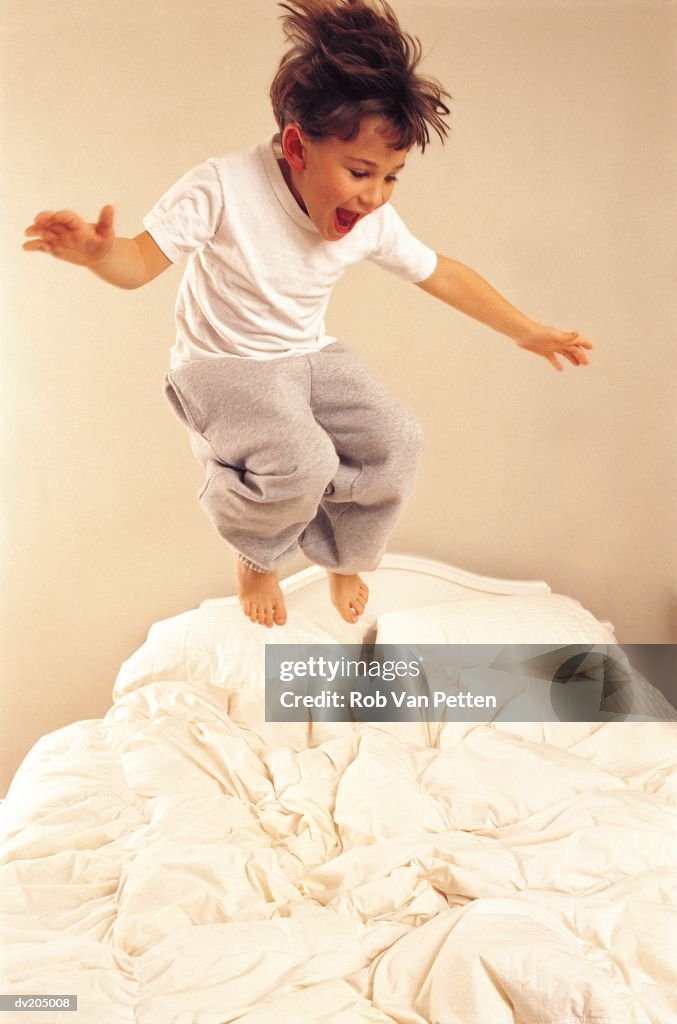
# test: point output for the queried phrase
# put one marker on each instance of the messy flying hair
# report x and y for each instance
(350, 59)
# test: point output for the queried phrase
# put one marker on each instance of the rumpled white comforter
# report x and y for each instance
(183, 862)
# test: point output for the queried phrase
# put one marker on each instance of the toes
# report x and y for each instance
(257, 614)
(346, 612)
(264, 614)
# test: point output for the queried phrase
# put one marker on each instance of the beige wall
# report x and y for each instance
(557, 185)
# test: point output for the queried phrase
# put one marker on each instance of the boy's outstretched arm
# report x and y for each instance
(124, 262)
(459, 286)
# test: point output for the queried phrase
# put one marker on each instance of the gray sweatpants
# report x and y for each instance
(305, 451)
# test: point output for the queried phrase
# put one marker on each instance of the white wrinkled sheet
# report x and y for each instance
(183, 862)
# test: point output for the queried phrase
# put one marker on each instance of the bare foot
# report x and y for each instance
(349, 595)
(260, 596)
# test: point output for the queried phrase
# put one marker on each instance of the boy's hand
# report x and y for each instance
(68, 237)
(549, 343)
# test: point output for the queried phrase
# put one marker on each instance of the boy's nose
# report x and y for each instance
(371, 198)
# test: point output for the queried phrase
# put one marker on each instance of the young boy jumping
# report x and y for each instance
(302, 446)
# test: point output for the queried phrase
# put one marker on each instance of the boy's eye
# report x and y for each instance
(365, 174)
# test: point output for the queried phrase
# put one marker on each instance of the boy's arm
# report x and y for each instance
(124, 262)
(459, 286)
(132, 262)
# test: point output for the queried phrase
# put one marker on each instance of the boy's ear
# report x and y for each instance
(294, 146)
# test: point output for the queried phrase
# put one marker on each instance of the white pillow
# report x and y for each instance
(495, 619)
(215, 645)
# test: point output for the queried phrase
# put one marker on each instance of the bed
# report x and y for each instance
(183, 861)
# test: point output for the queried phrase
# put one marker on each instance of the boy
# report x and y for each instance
(301, 444)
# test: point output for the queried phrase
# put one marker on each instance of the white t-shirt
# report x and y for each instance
(259, 274)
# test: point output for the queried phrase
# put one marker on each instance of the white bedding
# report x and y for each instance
(183, 862)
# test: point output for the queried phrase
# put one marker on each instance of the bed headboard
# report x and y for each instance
(401, 581)
(407, 581)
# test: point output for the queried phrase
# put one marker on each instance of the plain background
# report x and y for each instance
(557, 185)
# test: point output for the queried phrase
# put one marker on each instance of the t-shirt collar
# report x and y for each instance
(271, 151)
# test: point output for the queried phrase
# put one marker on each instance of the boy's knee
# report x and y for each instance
(316, 464)
(291, 492)
(415, 438)
(405, 433)
(300, 473)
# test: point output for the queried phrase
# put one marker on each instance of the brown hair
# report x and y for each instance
(350, 59)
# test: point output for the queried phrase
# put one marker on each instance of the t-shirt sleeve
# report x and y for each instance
(398, 251)
(188, 214)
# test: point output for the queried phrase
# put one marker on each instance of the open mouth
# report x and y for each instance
(344, 220)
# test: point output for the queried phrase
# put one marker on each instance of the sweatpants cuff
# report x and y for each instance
(251, 565)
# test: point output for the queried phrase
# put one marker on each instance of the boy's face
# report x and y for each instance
(338, 183)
